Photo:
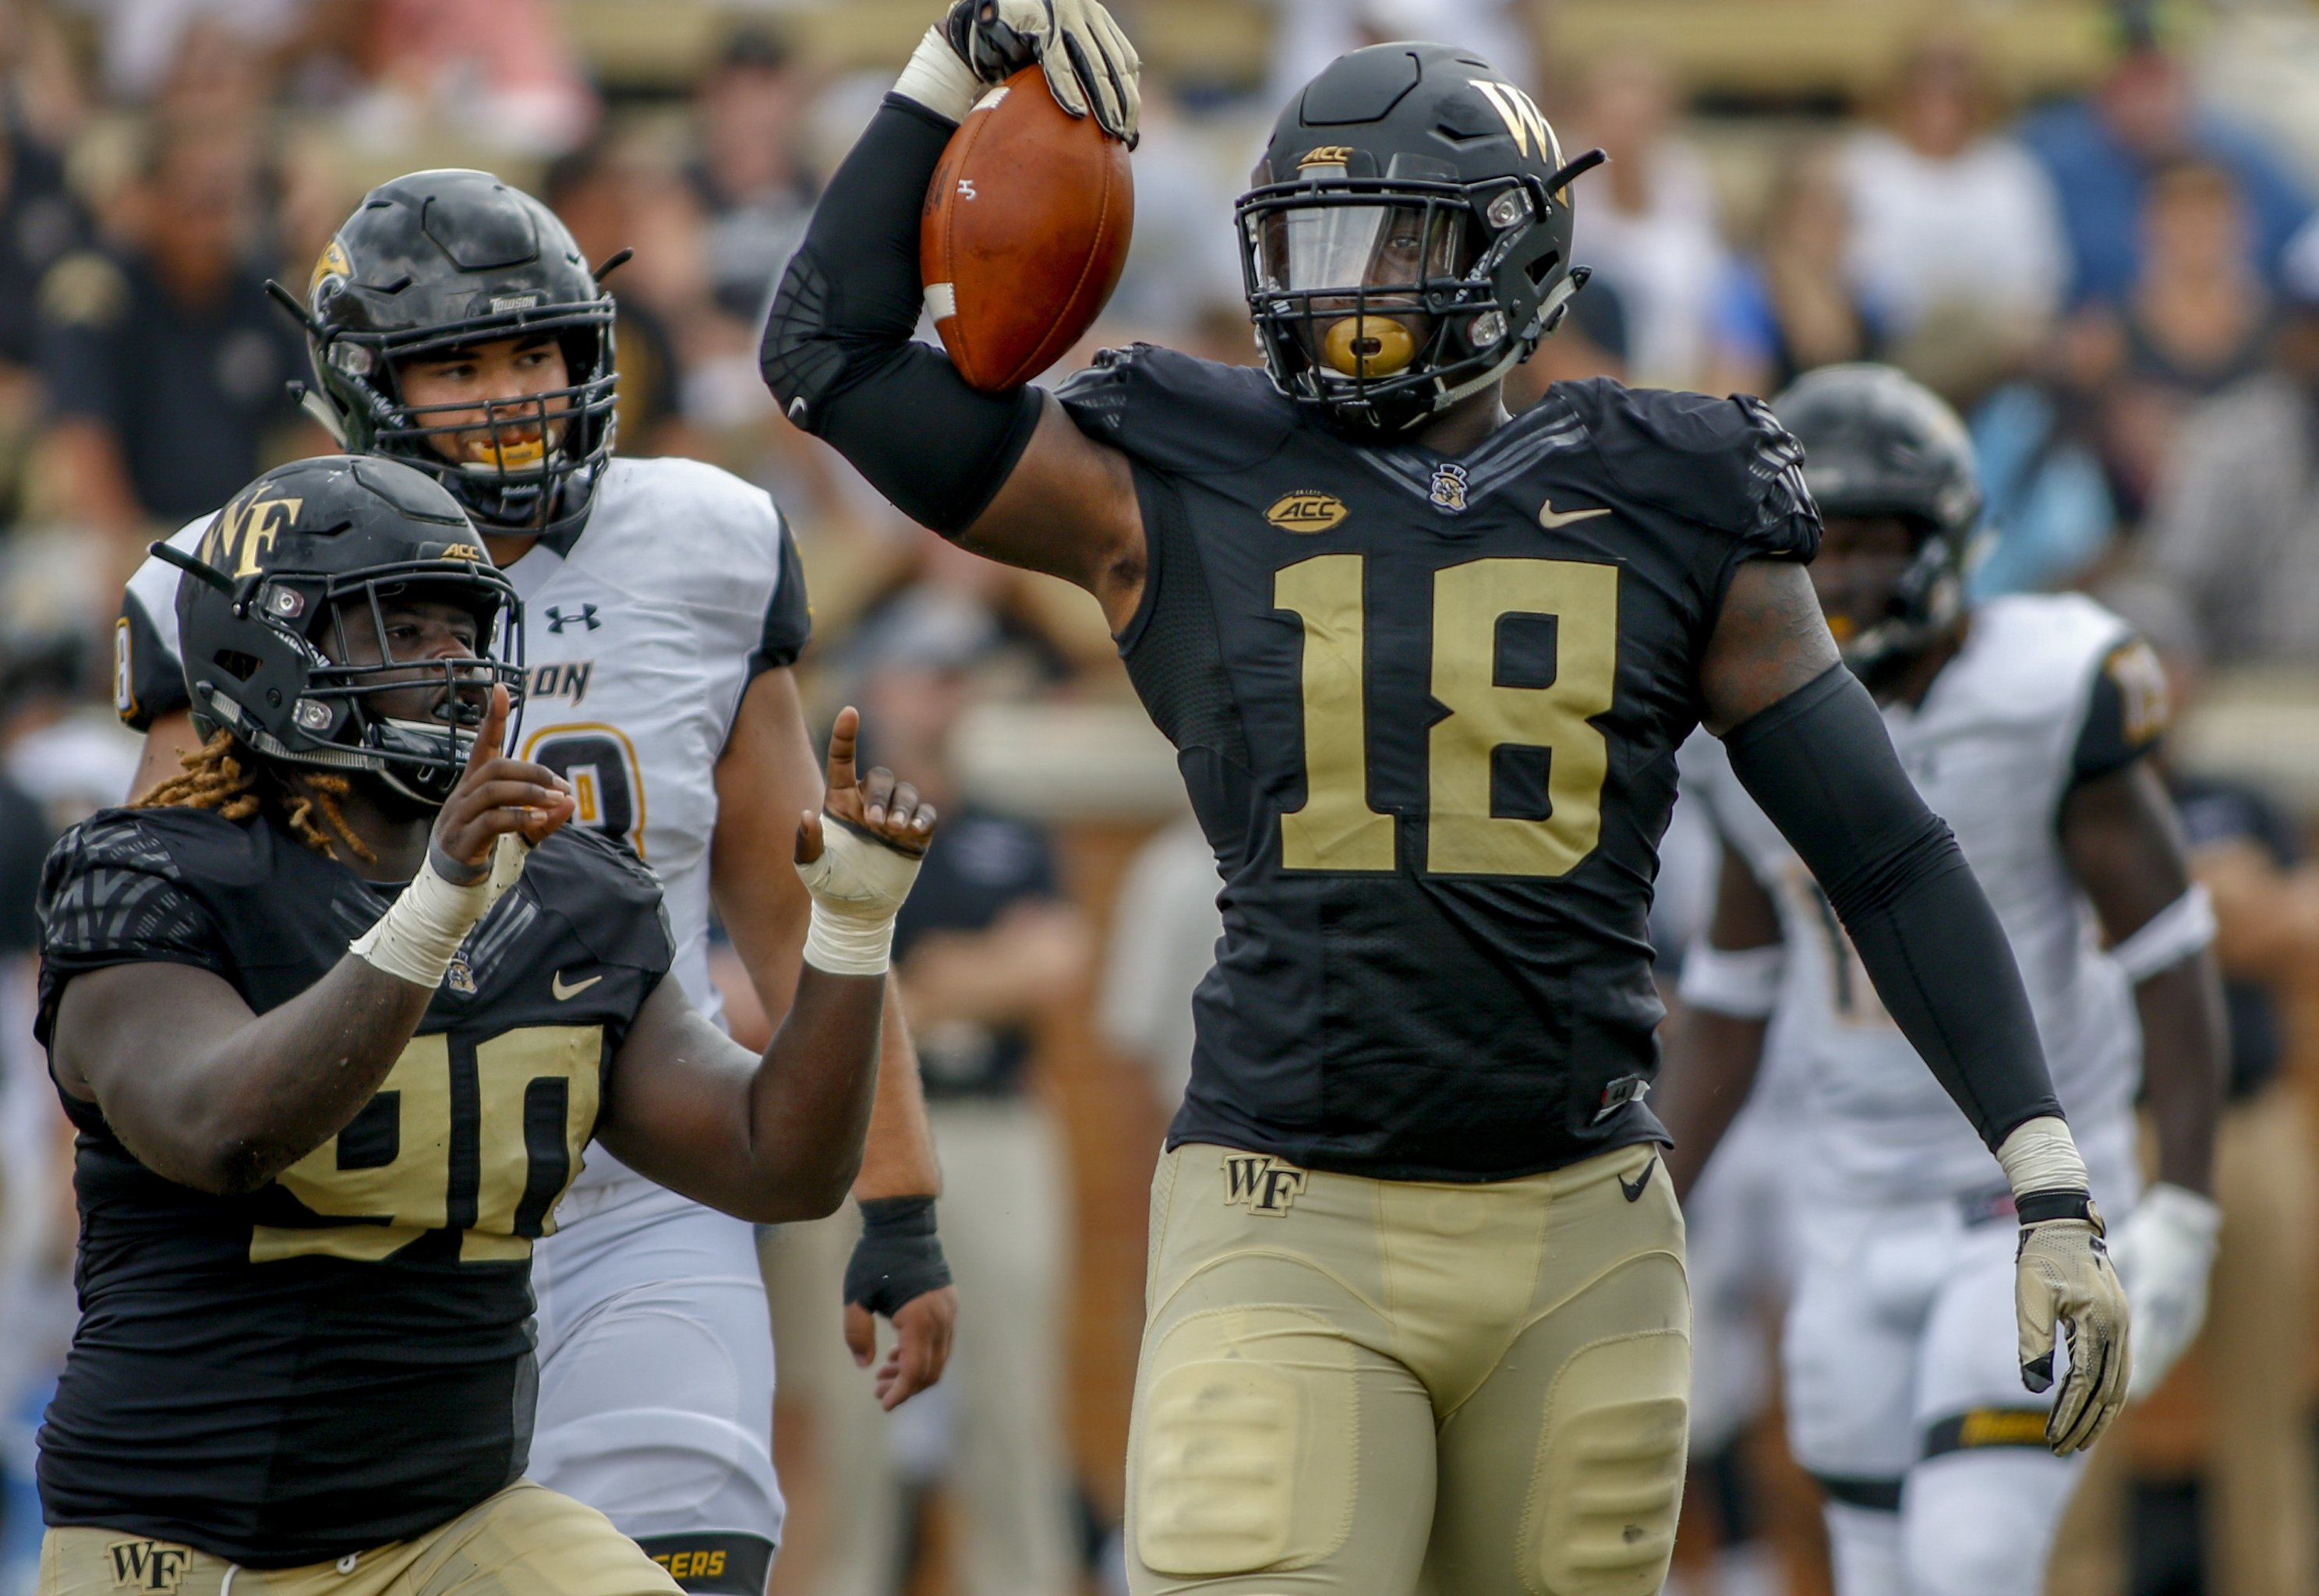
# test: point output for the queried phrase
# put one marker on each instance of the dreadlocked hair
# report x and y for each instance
(224, 776)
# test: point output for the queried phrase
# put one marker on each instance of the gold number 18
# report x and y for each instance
(1336, 829)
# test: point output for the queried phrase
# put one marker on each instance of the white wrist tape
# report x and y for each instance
(2042, 1156)
(2183, 927)
(937, 79)
(418, 936)
(857, 886)
(1742, 982)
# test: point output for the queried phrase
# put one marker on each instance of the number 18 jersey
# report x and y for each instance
(1426, 708)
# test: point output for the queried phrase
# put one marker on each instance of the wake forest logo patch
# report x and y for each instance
(147, 1564)
(1306, 511)
(1259, 1183)
(1449, 489)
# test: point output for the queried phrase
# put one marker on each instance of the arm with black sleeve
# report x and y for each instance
(838, 351)
(1820, 765)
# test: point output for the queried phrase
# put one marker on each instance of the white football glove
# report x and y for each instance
(2163, 1252)
(2062, 1273)
(1088, 62)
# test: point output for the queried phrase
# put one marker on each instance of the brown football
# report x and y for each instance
(1024, 231)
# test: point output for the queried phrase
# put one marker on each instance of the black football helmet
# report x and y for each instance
(1407, 236)
(1878, 443)
(261, 620)
(444, 261)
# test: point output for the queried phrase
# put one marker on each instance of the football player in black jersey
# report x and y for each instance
(323, 1116)
(1416, 1302)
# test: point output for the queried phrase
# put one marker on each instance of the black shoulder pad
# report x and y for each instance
(1723, 463)
(610, 898)
(121, 887)
(2126, 712)
(1176, 413)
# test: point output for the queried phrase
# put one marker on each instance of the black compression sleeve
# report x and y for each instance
(1820, 765)
(838, 351)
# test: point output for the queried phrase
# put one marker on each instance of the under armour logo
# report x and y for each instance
(1449, 487)
(557, 619)
(1261, 1185)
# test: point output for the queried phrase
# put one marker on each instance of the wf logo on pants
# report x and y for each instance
(1262, 1185)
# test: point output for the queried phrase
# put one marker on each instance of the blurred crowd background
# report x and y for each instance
(2087, 224)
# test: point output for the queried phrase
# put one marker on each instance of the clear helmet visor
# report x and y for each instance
(1358, 259)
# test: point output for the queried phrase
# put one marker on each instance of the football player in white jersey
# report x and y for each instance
(2024, 723)
(455, 325)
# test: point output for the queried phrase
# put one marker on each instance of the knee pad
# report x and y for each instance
(1607, 1484)
(1244, 1457)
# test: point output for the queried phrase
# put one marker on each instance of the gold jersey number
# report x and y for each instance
(393, 1180)
(1338, 830)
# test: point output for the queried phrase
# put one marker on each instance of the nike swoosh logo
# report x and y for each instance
(563, 994)
(1550, 518)
(1634, 1190)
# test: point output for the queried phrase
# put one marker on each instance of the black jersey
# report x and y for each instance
(344, 1358)
(1428, 709)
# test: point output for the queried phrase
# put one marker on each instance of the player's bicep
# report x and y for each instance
(1770, 639)
(676, 1101)
(133, 1038)
(2124, 842)
(1069, 509)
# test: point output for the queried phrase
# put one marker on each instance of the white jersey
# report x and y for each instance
(2045, 689)
(641, 632)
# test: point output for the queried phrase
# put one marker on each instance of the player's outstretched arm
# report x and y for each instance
(2124, 846)
(213, 1096)
(768, 772)
(1807, 742)
(1730, 985)
(1007, 474)
(780, 1138)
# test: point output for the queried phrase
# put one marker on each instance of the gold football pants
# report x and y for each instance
(1375, 1386)
(524, 1541)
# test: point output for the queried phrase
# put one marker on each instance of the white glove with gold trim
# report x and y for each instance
(2063, 1281)
(1090, 67)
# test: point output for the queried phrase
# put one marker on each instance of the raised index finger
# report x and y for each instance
(493, 731)
(841, 738)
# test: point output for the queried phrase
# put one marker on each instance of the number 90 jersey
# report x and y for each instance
(342, 1358)
(1427, 709)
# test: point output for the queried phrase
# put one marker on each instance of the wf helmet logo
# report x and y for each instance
(1261, 1185)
